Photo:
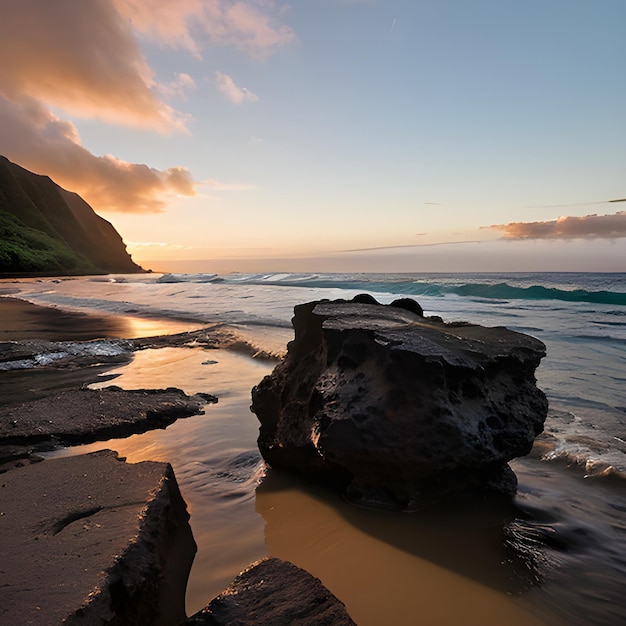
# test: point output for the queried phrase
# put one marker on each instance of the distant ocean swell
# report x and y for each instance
(499, 291)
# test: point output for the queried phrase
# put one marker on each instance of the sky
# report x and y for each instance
(330, 135)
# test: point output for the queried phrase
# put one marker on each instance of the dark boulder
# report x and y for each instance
(365, 298)
(273, 592)
(397, 409)
(409, 305)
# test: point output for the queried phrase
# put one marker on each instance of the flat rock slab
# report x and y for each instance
(87, 415)
(273, 592)
(92, 540)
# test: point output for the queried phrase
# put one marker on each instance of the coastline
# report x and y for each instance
(235, 522)
(22, 321)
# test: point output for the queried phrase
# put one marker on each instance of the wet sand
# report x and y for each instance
(24, 321)
(439, 567)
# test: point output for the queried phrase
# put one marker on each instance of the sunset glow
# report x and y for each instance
(391, 136)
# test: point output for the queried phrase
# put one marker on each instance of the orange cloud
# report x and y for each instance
(252, 26)
(81, 57)
(34, 138)
(586, 227)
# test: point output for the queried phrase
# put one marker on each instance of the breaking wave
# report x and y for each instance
(406, 285)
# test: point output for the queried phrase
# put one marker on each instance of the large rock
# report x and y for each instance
(398, 409)
(273, 592)
(93, 540)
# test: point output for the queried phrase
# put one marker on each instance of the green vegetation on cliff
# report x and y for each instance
(45, 229)
(24, 249)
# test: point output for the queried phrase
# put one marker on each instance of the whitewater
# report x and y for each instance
(574, 485)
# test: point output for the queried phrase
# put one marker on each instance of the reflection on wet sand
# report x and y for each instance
(22, 321)
(136, 327)
(393, 568)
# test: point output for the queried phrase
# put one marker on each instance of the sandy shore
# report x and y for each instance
(24, 321)
(20, 321)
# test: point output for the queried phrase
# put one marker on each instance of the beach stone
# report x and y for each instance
(91, 539)
(397, 409)
(87, 415)
(271, 592)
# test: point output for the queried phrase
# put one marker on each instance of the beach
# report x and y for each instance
(24, 321)
(442, 567)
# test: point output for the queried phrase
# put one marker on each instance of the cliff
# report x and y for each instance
(47, 230)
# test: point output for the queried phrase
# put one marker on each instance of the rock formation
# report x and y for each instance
(45, 229)
(92, 540)
(397, 409)
(273, 592)
(86, 415)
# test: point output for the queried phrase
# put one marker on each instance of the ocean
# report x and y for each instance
(437, 567)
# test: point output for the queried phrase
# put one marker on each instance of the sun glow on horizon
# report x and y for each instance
(248, 130)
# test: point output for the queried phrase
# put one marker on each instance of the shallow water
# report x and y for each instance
(586, 525)
(392, 568)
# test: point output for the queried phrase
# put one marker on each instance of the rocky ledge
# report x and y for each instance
(86, 415)
(397, 409)
(93, 540)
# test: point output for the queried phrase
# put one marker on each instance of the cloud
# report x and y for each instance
(586, 227)
(179, 87)
(232, 92)
(553, 206)
(413, 245)
(253, 26)
(34, 138)
(84, 59)
(217, 185)
(81, 57)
